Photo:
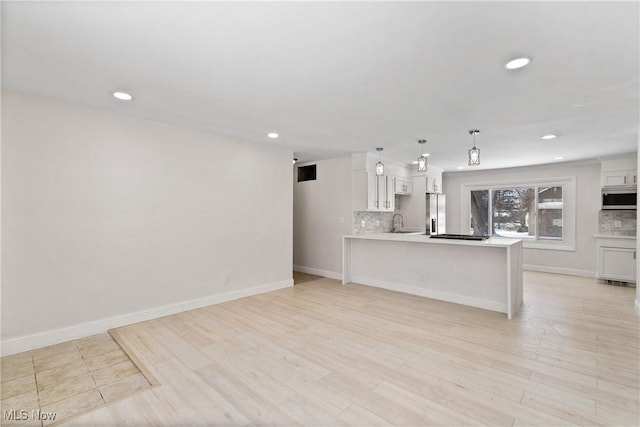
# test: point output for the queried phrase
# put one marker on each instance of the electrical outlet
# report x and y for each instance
(421, 276)
(617, 224)
(340, 220)
(227, 279)
(363, 224)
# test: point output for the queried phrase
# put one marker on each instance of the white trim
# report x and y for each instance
(533, 244)
(429, 293)
(318, 272)
(637, 305)
(55, 336)
(559, 270)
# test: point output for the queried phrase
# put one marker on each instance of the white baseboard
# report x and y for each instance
(56, 336)
(429, 293)
(559, 270)
(318, 272)
(637, 305)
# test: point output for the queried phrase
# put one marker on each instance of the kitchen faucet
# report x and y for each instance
(393, 220)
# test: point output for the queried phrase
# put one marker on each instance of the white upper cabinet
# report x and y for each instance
(621, 172)
(385, 193)
(372, 193)
(626, 178)
(434, 182)
(378, 193)
(402, 186)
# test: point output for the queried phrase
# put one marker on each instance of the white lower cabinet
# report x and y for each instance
(617, 259)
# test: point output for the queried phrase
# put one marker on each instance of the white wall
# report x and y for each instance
(413, 208)
(317, 207)
(582, 261)
(108, 218)
(637, 301)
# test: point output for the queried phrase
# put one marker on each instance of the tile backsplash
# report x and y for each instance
(372, 222)
(617, 223)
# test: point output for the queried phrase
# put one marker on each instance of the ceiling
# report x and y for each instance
(334, 78)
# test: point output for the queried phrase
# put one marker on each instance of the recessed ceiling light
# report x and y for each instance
(518, 63)
(273, 135)
(550, 136)
(559, 158)
(460, 168)
(123, 96)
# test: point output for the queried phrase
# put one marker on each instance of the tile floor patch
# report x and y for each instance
(104, 360)
(67, 379)
(16, 366)
(125, 386)
(17, 386)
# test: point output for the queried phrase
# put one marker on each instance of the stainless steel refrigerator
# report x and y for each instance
(436, 223)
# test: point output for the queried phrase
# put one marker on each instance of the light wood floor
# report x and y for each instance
(325, 354)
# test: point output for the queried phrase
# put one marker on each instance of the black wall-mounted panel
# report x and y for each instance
(307, 173)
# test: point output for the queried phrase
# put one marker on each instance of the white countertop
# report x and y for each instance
(421, 238)
(609, 236)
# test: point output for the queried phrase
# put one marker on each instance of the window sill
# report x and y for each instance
(549, 247)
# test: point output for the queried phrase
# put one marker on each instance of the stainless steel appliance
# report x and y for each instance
(618, 198)
(459, 237)
(436, 223)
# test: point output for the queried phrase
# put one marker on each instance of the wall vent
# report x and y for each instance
(307, 173)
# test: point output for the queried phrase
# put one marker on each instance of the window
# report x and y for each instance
(550, 213)
(514, 212)
(542, 213)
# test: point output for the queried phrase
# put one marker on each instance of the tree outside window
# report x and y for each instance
(523, 213)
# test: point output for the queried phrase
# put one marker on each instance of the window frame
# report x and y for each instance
(568, 184)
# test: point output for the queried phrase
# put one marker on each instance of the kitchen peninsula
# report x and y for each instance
(485, 274)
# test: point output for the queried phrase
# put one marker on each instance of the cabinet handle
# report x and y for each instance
(635, 177)
(634, 254)
(625, 179)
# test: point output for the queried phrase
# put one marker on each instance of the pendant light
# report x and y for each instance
(379, 165)
(422, 160)
(474, 153)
